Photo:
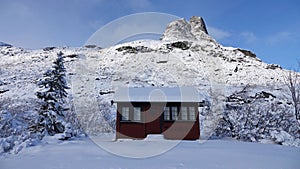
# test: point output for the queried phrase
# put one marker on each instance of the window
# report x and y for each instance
(192, 112)
(136, 113)
(174, 113)
(184, 113)
(125, 113)
(167, 113)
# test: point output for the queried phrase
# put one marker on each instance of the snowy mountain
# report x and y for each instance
(185, 56)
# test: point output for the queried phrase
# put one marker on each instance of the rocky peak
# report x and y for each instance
(181, 29)
(197, 24)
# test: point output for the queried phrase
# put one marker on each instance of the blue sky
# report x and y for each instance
(270, 28)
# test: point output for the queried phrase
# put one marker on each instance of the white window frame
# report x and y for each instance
(174, 112)
(184, 113)
(125, 114)
(167, 115)
(137, 114)
(192, 113)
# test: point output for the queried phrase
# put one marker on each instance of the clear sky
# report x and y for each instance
(269, 28)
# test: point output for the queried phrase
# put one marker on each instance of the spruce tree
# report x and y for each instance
(53, 94)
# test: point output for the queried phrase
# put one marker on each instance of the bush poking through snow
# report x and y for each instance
(254, 118)
(14, 130)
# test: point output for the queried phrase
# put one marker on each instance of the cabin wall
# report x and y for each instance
(181, 130)
(131, 130)
(152, 122)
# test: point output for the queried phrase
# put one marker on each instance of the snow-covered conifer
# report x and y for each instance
(53, 93)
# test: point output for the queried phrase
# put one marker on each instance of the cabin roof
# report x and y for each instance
(158, 94)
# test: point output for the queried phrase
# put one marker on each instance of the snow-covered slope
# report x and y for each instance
(185, 56)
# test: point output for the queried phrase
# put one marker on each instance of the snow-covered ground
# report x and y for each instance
(220, 154)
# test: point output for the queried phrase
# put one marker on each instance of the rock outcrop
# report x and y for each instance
(197, 24)
(4, 44)
(181, 29)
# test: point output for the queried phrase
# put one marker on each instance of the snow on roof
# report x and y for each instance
(158, 94)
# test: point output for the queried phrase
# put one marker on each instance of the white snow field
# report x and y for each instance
(212, 154)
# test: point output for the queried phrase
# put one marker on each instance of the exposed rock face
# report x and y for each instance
(137, 49)
(180, 29)
(181, 45)
(4, 44)
(247, 53)
(197, 24)
(195, 29)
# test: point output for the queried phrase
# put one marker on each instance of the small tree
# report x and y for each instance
(293, 84)
(53, 94)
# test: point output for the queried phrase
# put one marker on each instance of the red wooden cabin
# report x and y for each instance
(172, 112)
